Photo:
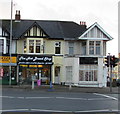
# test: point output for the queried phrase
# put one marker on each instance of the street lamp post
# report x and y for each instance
(10, 49)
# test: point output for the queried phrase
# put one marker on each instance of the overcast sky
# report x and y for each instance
(104, 12)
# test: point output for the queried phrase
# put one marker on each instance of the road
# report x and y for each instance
(51, 101)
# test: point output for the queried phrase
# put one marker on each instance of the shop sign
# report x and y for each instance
(88, 60)
(5, 60)
(34, 60)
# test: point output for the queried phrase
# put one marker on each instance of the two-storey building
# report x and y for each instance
(57, 51)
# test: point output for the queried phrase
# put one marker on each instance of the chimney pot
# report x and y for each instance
(17, 16)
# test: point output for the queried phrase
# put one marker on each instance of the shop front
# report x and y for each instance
(36, 66)
(5, 69)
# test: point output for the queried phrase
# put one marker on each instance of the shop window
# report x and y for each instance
(88, 73)
(71, 48)
(57, 47)
(38, 43)
(31, 46)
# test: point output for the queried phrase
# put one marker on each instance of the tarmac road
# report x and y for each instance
(27, 100)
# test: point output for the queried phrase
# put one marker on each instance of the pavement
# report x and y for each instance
(63, 88)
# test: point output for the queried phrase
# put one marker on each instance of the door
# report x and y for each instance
(57, 75)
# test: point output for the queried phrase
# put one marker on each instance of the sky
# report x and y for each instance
(104, 12)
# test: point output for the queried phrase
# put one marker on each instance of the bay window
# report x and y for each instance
(94, 47)
(88, 73)
(33, 46)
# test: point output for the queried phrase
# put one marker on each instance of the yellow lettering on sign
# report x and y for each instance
(6, 59)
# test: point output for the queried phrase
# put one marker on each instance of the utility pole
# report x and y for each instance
(110, 72)
(10, 51)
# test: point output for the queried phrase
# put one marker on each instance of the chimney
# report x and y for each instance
(17, 16)
(82, 23)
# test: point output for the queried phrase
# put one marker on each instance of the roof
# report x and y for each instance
(53, 29)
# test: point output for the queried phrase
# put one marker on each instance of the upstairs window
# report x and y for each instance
(84, 48)
(71, 48)
(38, 43)
(98, 47)
(1, 45)
(31, 46)
(25, 48)
(34, 46)
(57, 47)
(91, 47)
(94, 47)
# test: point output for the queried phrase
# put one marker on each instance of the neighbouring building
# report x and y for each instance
(62, 52)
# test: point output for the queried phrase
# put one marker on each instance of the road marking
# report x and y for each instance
(20, 97)
(46, 110)
(7, 97)
(71, 98)
(106, 96)
(43, 110)
(10, 110)
(38, 97)
(104, 110)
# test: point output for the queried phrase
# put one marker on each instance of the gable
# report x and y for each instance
(95, 32)
(35, 31)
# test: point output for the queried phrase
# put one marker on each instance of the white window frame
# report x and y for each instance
(71, 47)
(69, 74)
(94, 46)
(88, 69)
(58, 45)
(34, 46)
(4, 45)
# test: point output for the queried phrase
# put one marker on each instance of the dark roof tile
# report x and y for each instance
(54, 29)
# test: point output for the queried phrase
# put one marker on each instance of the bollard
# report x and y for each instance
(33, 84)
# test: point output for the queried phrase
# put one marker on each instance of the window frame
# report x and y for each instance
(34, 46)
(88, 73)
(71, 48)
(93, 47)
(58, 48)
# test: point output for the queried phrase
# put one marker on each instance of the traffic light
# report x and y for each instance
(108, 61)
(115, 60)
(111, 61)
